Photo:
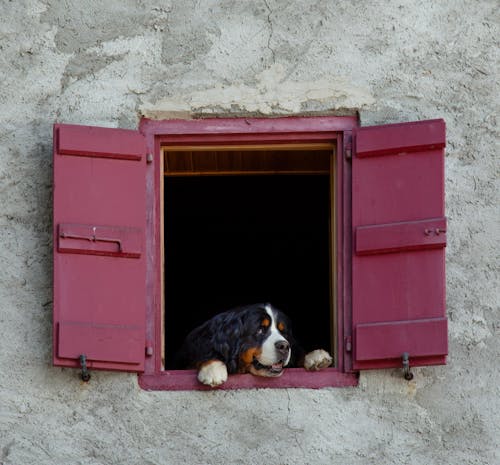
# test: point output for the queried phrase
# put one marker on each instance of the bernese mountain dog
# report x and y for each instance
(254, 339)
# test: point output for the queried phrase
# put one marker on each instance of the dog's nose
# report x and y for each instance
(282, 347)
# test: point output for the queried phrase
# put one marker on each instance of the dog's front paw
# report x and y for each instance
(317, 360)
(213, 373)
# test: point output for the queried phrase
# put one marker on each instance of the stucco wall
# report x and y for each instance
(108, 63)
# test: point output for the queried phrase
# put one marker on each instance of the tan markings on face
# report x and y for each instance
(266, 322)
(281, 326)
(246, 358)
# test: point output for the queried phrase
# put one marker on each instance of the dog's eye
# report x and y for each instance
(261, 331)
(264, 326)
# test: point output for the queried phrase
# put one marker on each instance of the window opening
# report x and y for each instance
(246, 226)
(111, 180)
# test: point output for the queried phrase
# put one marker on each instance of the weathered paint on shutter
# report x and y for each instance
(399, 232)
(99, 247)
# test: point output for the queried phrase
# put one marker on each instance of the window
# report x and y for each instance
(236, 239)
(354, 232)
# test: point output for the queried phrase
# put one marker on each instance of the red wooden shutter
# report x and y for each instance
(399, 238)
(99, 247)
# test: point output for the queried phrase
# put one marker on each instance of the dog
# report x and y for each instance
(254, 339)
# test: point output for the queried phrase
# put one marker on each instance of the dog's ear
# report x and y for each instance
(226, 338)
(214, 339)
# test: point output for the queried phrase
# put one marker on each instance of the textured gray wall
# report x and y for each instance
(108, 63)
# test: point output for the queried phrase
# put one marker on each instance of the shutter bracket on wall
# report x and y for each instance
(85, 374)
(406, 367)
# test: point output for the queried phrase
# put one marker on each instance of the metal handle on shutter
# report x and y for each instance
(93, 238)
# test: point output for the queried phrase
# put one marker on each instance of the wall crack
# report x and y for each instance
(271, 31)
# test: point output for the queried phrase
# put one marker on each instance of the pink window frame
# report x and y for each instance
(248, 131)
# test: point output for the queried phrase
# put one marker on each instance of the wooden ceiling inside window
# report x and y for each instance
(241, 160)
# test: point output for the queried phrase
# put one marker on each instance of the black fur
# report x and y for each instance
(227, 335)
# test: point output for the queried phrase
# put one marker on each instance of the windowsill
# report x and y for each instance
(185, 380)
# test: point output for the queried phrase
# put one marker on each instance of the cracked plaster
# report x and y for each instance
(109, 63)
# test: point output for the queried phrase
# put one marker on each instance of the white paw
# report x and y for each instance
(317, 359)
(213, 373)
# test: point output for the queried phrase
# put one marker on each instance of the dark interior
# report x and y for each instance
(235, 240)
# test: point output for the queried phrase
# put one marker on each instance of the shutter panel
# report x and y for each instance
(99, 247)
(399, 238)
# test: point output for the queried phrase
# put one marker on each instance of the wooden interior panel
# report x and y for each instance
(289, 159)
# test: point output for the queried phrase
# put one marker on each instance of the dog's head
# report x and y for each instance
(264, 344)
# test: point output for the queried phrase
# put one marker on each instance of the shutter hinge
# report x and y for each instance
(348, 146)
(348, 344)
